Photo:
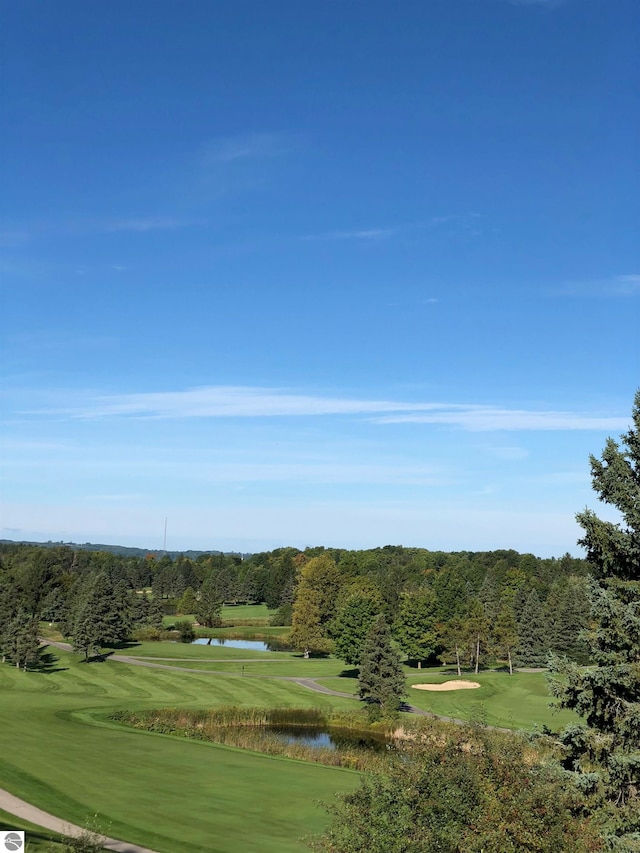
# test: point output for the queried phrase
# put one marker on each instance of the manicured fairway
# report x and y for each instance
(186, 650)
(38, 839)
(58, 752)
(517, 701)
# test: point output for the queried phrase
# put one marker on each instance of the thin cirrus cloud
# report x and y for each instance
(219, 401)
(616, 286)
(146, 223)
(250, 146)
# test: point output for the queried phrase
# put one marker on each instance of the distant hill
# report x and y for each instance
(119, 550)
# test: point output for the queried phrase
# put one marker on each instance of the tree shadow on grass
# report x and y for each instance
(349, 673)
(46, 663)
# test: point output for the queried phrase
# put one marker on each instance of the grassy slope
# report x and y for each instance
(517, 701)
(169, 794)
(58, 751)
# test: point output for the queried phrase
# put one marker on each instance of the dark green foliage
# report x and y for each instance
(381, 678)
(185, 631)
(415, 627)
(282, 616)
(351, 626)
(533, 641)
(209, 604)
(476, 632)
(505, 635)
(19, 640)
(155, 613)
(567, 612)
(451, 595)
(460, 792)
(315, 603)
(99, 619)
(187, 603)
(603, 754)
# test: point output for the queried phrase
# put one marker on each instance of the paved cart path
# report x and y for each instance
(18, 807)
(13, 805)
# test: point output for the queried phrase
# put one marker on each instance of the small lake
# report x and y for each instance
(249, 645)
(313, 737)
(321, 738)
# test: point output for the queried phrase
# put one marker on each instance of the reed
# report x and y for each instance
(248, 728)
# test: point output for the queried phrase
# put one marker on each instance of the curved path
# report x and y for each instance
(303, 681)
(13, 805)
(26, 811)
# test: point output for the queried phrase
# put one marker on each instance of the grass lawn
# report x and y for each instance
(58, 752)
(259, 613)
(168, 649)
(38, 840)
(287, 665)
(517, 701)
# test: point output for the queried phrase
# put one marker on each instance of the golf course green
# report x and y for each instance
(59, 750)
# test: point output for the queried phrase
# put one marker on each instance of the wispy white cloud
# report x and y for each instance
(356, 234)
(220, 401)
(249, 146)
(615, 286)
(144, 223)
(486, 418)
(464, 221)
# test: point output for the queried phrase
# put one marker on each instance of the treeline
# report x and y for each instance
(456, 607)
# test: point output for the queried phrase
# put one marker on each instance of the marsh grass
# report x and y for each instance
(250, 728)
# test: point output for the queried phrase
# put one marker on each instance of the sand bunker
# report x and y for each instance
(448, 685)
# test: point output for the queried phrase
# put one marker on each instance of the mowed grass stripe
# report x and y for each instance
(166, 793)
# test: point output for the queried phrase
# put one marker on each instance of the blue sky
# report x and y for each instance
(340, 273)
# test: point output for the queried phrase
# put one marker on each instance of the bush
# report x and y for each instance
(186, 632)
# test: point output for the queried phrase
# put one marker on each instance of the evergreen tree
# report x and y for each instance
(209, 604)
(99, 617)
(20, 640)
(381, 677)
(155, 612)
(188, 603)
(567, 612)
(533, 645)
(603, 753)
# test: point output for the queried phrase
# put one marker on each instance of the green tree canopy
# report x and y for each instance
(603, 753)
(415, 627)
(381, 677)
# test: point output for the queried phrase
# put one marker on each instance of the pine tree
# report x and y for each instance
(381, 677)
(209, 604)
(532, 631)
(155, 612)
(21, 643)
(603, 752)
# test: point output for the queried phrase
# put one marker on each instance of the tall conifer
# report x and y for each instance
(603, 752)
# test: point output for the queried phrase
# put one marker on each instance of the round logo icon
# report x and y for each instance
(13, 841)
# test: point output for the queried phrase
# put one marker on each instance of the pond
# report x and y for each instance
(327, 738)
(249, 645)
(272, 738)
